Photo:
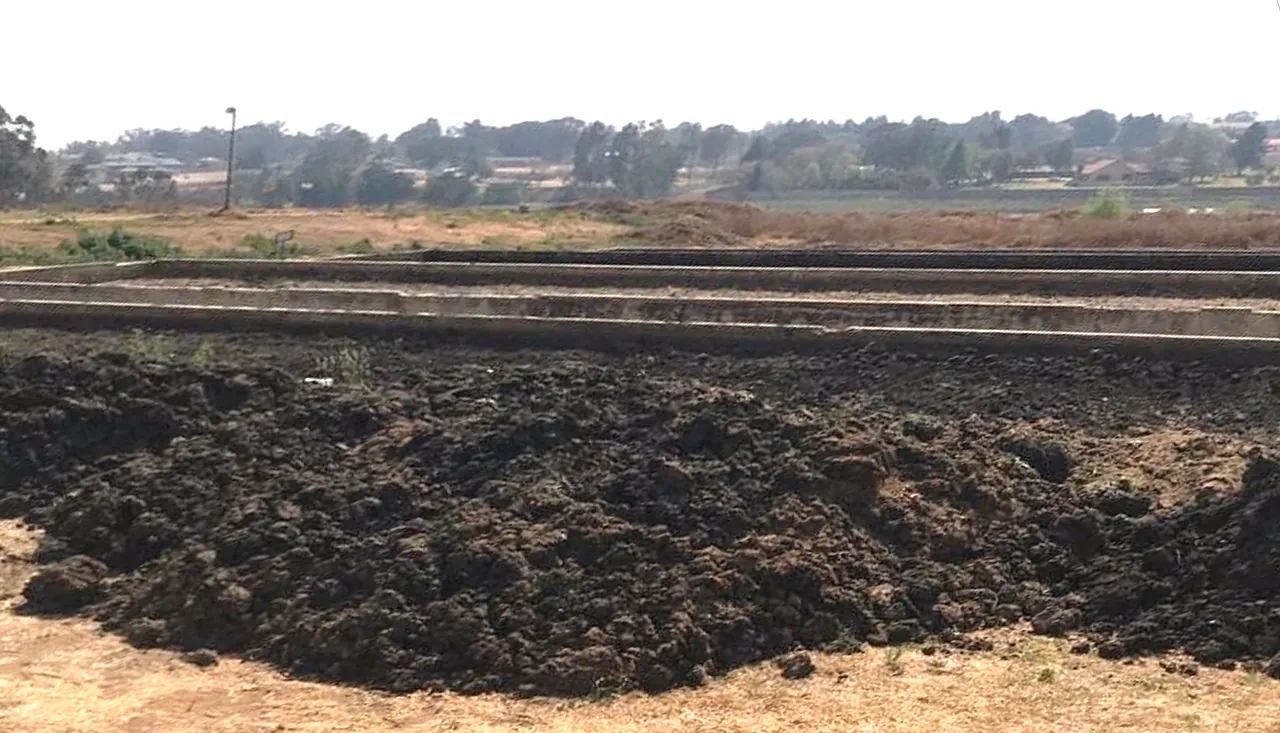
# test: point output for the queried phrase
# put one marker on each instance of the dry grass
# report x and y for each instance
(665, 224)
(61, 676)
(319, 231)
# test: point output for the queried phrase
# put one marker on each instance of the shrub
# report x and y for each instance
(358, 247)
(503, 194)
(119, 244)
(266, 247)
(1107, 204)
(450, 190)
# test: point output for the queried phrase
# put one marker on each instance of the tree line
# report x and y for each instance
(338, 165)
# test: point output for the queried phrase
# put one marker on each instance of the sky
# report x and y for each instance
(91, 69)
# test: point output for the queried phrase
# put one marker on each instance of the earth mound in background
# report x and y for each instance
(579, 526)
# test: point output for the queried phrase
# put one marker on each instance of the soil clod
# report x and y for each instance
(201, 657)
(65, 586)
(796, 666)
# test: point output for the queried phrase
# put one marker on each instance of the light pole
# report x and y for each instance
(231, 158)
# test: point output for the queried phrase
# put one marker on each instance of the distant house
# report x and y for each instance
(116, 163)
(1271, 159)
(1114, 171)
(1038, 172)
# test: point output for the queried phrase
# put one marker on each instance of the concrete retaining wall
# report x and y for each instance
(770, 311)
(612, 334)
(335, 299)
(89, 273)
(1022, 259)
(1062, 282)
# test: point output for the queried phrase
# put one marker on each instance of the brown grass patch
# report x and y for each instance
(320, 231)
(696, 224)
(64, 675)
(677, 224)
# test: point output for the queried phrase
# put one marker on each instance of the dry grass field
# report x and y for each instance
(662, 224)
(317, 231)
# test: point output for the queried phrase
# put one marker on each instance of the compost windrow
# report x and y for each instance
(562, 523)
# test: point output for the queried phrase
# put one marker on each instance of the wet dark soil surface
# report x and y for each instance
(562, 523)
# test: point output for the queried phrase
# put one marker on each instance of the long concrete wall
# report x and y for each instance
(615, 334)
(1063, 282)
(335, 299)
(840, 313)
(88, 273)
(1023, 259)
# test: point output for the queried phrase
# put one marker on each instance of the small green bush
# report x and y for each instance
(266, 248)
(1107, 204)
(358, 247)
(503, 194)
(26, 255)
(119, 244)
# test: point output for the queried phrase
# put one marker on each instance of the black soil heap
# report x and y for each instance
(560, 524)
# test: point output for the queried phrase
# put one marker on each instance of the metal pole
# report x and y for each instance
(231, 157)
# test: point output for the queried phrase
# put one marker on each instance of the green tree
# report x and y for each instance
(273, 188)
(1061, 154)
(760, 149)
(988, 130)
(450, 189)
(426, 144)
(380, 185)
(1032, 132)
(590, 165)
(552, 140)
(74, 178)
(1139, 132)
(326, 174)
(642, 162)
(1094, 128)
(1249, 149)
(924, 144)
(956, 168)
(1242, 116)
(715, 145)
(1000, 165)
(24, 168)
(1202, 147)
(474, 163)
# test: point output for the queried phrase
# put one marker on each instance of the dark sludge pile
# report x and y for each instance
(580, 526)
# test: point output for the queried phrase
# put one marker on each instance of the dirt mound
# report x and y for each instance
(576, 526)
(937, 229)
(686, 231)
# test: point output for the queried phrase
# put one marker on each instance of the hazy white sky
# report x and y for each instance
(92, 68)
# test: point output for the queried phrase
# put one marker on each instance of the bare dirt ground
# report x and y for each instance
(64, 676)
